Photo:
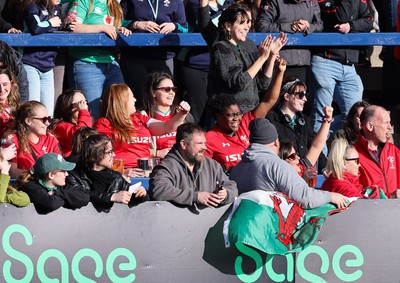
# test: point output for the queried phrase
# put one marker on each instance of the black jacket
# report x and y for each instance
(67, 197)
(354, 12)
(301, 136)
(101, 200)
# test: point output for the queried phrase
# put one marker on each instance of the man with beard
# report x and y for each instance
(185, 176)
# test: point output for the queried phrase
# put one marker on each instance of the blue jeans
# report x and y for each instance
(41, 87)
(331, 79)
(93, 79)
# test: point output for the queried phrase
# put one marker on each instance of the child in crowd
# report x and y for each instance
(70, 114)
(41, 16)
(95, 175)
(45, 185)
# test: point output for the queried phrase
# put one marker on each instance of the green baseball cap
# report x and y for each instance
(50, 162)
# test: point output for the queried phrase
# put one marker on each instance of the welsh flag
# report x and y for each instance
(273, 223)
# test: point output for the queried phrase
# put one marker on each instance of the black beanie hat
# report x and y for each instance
(262, 131)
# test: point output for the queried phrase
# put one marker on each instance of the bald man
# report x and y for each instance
(379, 158)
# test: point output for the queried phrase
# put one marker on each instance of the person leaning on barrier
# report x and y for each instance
(45, 185)
(94, 175)
(186, 176)
(379, 158)
(262, 169)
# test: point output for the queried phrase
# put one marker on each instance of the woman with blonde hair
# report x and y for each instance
(343, 163)
(131, 132)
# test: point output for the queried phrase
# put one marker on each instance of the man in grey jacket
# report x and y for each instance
(262, 169)
(185, 176)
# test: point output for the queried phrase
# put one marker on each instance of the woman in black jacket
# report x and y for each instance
(45, 185)
(95, 175)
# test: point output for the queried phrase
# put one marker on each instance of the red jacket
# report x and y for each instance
(384, 174)
(349, 186)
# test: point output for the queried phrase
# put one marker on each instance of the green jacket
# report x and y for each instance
(11, 195)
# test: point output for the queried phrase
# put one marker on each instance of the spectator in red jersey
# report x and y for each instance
(343, 163)
(230, 136)
(160, 103)
(31, 137)
(131, 132)
(9, 99)
(70, 113)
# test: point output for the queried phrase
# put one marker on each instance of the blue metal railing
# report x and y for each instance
(193, 39)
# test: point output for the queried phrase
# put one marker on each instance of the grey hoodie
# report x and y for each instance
(262, 169)
(171, 180)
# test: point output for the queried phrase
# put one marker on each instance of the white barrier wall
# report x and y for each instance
(158, 242)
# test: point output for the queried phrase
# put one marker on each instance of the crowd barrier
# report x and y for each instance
(159, 242)
(193, 39)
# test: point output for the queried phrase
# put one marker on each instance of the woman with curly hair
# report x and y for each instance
(132, 132)
(70, 114)
(9, 99)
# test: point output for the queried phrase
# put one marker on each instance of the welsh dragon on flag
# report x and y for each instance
(273, 223)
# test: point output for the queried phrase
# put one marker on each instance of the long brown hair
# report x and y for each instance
(26, 110)
(14, 97)
(114, 107)
(149, 89)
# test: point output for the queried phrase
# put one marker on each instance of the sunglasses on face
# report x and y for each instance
(293, 156)
(232, 116)
(301, 94)
(356, 160)
(43, 119)
(168, 89)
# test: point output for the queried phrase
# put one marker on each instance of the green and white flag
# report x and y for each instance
(273, 223)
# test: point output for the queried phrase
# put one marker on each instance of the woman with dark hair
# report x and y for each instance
(31, 137)
(77, 140)
(45, 185)
(131, 132)
(233, 69)
(230, 136)
(160, 103)
(70, 113)
(9, 99)
(95, 175)
(352, 124)
(292, 125)
(12, 59)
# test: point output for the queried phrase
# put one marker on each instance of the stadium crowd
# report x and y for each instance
(194, 120)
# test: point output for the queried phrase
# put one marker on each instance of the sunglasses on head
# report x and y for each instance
(167, 88)
(43, 119)
(301, 94)
(356, 160)
(293, 156)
